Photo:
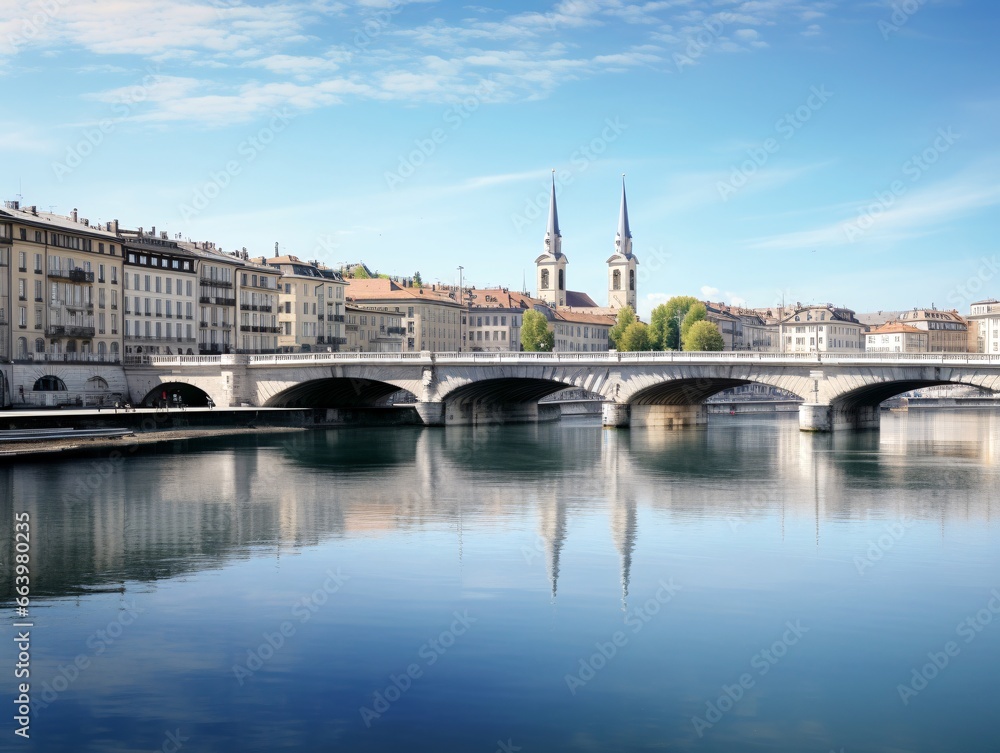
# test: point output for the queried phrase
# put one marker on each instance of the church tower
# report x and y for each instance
(622, 264)
(550, 267)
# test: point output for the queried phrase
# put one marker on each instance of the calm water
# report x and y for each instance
(544, 588)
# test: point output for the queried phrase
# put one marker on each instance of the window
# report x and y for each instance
(616, 280)
(631, 279)
(544, 283)
(562, 279)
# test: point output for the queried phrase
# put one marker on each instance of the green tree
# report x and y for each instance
(535, 333)
(659, 326)
(696, 313)
(417, 279)
(672, 314)
(626, 316)
(359, 273)
(703, 335)
(635, 337)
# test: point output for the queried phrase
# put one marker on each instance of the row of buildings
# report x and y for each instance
(73, 291)
(831, 329)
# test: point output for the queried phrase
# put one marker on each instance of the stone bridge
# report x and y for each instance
(640, 389)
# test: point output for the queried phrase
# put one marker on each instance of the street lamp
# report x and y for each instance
(461, 313)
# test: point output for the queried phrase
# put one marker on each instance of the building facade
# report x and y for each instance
(821, 329)
(984, 326)
(160, 288)
(432, 317)
(64, 284)
(895, 337)
(373, 329)
(311, 306)
(948, 331)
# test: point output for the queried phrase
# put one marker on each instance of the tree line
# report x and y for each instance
(678, 324)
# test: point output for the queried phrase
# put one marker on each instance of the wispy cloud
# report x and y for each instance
(916, 214)
(315, 53)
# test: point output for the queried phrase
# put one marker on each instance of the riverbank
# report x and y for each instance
(128, 445)
(151, 426)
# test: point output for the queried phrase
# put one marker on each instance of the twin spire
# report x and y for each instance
(553, 238)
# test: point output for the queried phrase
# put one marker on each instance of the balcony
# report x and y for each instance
(73, 275)
(203, 325)
(261, 329)
(216, 283)
(68, 330)
(338, 318)
(255, 307)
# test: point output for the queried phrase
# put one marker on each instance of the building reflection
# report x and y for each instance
(189, 508)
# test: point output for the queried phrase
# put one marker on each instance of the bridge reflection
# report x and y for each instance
(99, 524)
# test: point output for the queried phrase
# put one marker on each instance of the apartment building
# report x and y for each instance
(431, 316)
(311, 313)
(62, 286)
(373, 329)
(947, 331)
(984, 326)
(821, 329)
(160, 295)
(896, 337)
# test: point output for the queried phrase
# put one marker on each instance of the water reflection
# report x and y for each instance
(552, 537)
(166, 513)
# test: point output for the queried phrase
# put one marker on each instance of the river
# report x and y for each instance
(554, 587)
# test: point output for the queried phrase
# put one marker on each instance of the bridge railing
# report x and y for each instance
(426, 357)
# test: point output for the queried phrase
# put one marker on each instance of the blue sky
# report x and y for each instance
(844, 152)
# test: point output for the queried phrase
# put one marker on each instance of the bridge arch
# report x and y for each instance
(190, 395)
(507, 399)
(333, 392)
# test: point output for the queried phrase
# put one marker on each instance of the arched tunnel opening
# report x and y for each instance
(872, 395)
(502, 400)
(505, 391)
(335, 392)
(175, 394)
(685, 391)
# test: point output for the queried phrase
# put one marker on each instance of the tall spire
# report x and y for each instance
(623, 239)
(553, 238)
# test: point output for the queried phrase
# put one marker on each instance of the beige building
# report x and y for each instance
(311, 306)
(949, 332)
(62, 288)
(374, 329)
(821, 329)
(160, 288)
(432, 317)
(230, 286)
(984, 326)
(492, 320)
(577, 332)
(895, 337)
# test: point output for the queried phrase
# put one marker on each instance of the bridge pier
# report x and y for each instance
(821, 417)
(432, 414)
(615, 415)
(669, 416)
(465, 413)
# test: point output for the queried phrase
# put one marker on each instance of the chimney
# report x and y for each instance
(34, 210)
(113, 226)
(86, 222)
(163, 235)
(152, 231)
(72, 215)
(276, 249)
(12, 204)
